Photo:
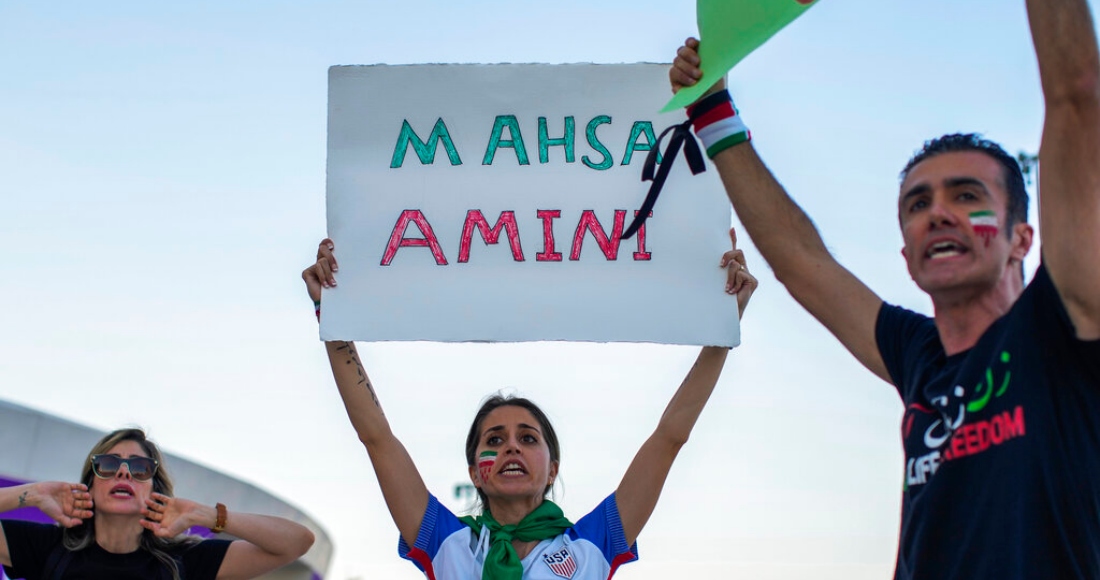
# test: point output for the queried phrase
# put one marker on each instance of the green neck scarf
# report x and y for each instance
(502, 562)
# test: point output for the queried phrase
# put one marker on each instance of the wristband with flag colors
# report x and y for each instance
(717, 123)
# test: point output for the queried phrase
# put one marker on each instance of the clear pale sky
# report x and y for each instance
(162, 185)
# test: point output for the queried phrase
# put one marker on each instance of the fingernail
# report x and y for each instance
(331, 247)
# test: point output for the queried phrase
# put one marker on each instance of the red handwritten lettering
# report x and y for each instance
(608, 242)
(507, 222)
(548, 254)
(589, 222)
(641, 255)
(398, 239)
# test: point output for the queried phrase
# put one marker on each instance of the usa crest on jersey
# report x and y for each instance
(561, 563)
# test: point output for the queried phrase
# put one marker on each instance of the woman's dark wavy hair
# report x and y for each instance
(499, 400)
(1016, 207)
(82, 536)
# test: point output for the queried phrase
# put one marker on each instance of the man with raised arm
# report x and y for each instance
(1002, 387)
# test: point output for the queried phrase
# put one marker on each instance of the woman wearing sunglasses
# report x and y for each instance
(122, 522)
(513, 458)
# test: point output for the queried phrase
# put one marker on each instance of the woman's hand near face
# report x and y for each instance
(168, 517)
(68, 504)
(264, 543)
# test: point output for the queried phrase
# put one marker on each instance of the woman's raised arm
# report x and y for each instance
(641, 485)
(404, 489)
(68, 504)
(264, 543)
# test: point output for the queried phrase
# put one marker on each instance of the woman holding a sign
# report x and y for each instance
(513, 458)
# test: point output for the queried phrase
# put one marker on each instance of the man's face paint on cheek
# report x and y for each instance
(485, 464)
(984, 224)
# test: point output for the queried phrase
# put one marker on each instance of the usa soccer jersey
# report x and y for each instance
(447, 549)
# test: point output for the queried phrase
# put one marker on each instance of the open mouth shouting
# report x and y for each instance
(512, 468)
(122, 491)
(945, 249)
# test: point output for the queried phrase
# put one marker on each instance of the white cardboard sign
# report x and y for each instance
(486, 203)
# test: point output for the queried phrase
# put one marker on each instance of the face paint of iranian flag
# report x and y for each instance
(984, 224)
(485, 464)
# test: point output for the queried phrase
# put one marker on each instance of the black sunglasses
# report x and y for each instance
(140, 468)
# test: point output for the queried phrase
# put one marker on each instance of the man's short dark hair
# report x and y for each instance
(1013, 176)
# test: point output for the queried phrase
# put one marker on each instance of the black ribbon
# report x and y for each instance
(681, 136)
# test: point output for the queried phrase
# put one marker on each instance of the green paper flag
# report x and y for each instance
(728, 31)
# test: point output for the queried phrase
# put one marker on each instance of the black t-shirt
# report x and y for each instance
(1002, 445)
(30, 545)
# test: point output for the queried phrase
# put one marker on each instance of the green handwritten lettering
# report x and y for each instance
(545, 142)
(640, 128)
(425, 150)
(594, 142)
(496, 142)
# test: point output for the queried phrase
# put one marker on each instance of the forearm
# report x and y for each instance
(404, 490)
(1069, 176)
(779, 229)
(358, 394)
(1065, 44)
(687, 404)
(641, 485)
(792, 246)
(16, 497)
(264, 543)
(276, 536)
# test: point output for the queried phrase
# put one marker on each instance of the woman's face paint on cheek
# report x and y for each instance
(984, 224)
(485, 464)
